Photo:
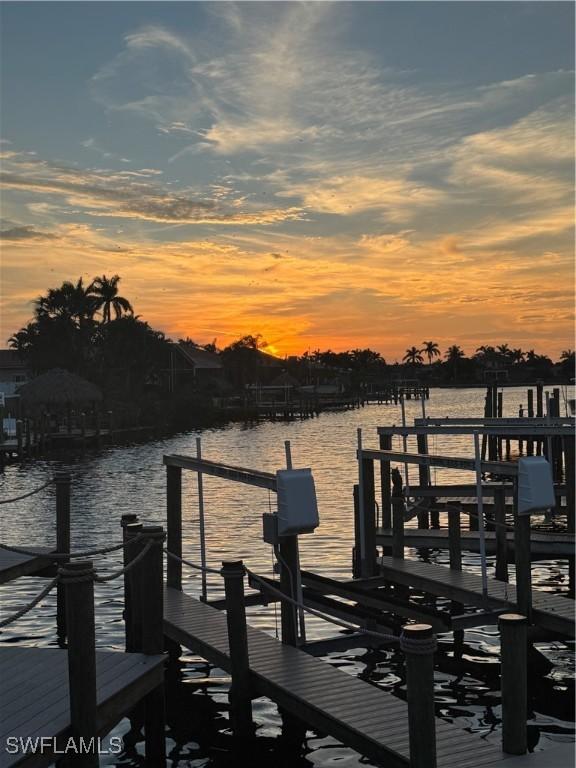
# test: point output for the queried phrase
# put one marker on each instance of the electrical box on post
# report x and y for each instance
(297, 505)
(270, 528)
(535, 485)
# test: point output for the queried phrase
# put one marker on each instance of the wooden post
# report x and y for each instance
(78, 580)
(110, 424)
(454, 540)
(288, 549)
(356, 551)
(513, 653)
(151, 597)
(133, 615)
(19, 437)
(368, 512)
(420, 693)
(530, 443)
(240, 692)
(62, 481)
(423, 479)
(174, 525)
(386, 445)
(522, 558)
(501, 534)
(398, 527)
(130, 528)
(570, 504)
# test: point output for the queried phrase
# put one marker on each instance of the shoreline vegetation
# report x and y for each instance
(91, 331)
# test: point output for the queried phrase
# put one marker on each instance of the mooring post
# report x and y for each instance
(368, 512)
(522, 560)
(78, 581)
(418, 643)
(288, 556)
(151, 598)
(128, 521)
(570, 502)
(356, 550)
(62, 482)
(132, 610)
(174, 525)
(454, 537)
(501, 534)
(386, 445)
(514, 676)
(398, 527)
(530, 442)
(19, 437)
(240, 691)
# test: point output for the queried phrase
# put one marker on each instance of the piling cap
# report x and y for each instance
(509, 618)
(233, 568)
(417, 630)
(76, 570)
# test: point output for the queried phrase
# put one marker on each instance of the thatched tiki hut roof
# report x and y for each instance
(58, 387)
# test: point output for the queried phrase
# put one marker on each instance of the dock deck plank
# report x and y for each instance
(541, 544)
(552, 612)
(13, 565)
(39, 705)
(361, 715)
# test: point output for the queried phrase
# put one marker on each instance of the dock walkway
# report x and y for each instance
(549, 611)
(35, 701)
(542, 545)
(362, 716)
(13, 564)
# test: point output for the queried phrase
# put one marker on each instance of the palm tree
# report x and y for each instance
(71, 302)
(413, 356)
(503, 349)
(516, 355)
(567, 354)
(454, 353)
(107, 299)
(431, 349)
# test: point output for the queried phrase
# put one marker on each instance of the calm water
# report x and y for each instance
(132, 479)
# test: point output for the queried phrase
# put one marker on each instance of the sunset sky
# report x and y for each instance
(325, 174)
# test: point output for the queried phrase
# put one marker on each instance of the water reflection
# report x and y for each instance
(131, 479)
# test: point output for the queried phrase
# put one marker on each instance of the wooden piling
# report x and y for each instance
(368, 512)
(420, 693)
(385, 481)
(514, 668)
(500, 533)
(454, 539)
(398, 527)
(132, 603)
(151, 597)
(78, 581)
(522, 560)
(62, 482)
(174, 525)
(19, 437)
(570, 504)
(127, 520)
(240, 691)
(288, 550)
(530, 443)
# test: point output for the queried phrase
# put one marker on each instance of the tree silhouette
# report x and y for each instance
(431, 349)
(413, 356)
(105, 291)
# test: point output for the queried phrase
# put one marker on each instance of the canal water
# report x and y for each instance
(131, 478)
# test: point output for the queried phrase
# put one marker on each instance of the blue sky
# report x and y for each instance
(334, 174)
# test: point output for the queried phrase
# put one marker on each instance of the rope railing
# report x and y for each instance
(27, 495)
(196, 566)
(73, 555)
(75, 576)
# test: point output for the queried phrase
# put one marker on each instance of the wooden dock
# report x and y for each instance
(549, 611)
(360, 715)
(542, 545)
(13, 565)
(35, 699)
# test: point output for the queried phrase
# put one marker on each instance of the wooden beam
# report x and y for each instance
(512, 430)
(450, 462)
(226, 471)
